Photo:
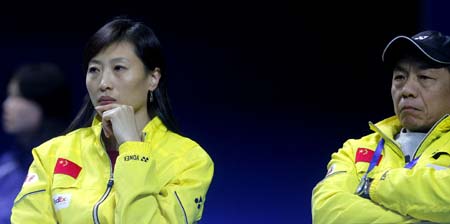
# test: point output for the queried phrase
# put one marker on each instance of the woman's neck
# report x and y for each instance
(141, 118)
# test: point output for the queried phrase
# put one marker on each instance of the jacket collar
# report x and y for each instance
(154, 127)
(391, 126)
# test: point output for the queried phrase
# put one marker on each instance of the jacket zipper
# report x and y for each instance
(390, 141)
(108, 190)
(428, 134)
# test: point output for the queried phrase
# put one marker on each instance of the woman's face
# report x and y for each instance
(117, 75)
(20, 115)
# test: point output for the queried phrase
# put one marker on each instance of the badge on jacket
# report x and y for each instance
(67, 167)
(365, 155)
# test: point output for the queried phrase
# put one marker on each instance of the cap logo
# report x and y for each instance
(421, 37)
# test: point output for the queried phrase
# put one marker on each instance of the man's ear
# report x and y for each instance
(153, 78)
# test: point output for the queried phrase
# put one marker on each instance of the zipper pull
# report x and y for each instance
(111, 182)
(407, 159)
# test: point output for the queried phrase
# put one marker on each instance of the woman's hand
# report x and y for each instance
(118, 121)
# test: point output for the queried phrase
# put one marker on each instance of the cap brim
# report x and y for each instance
(399, 45)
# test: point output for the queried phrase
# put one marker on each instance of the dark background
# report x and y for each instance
(269, 88)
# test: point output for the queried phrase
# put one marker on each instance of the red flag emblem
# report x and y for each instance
(65, 166)
(365, 155)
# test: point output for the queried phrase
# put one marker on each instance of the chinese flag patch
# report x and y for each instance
(365, 155)
(67, 167)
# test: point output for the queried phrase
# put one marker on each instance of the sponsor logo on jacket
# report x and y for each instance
(61, 201)
(31, 178)
(135, 157)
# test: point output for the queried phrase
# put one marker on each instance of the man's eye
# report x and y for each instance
(399, 77)
(424, 77)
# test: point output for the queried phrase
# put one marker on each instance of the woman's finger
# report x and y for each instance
(103, 108)
(107, 123)
(107, 128)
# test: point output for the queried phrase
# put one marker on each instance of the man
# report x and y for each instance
(401, 172)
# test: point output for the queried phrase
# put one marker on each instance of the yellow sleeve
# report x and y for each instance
(33, 204)
(334, 199)
(160, 191)
(422, 193)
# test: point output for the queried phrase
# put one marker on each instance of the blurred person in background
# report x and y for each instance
(37, 108)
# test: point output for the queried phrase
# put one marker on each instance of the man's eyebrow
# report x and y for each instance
(399, 68)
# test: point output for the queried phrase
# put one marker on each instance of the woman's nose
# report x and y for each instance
(105, 82)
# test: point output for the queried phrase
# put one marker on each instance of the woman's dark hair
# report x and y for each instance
(45, 84)
(148, 48)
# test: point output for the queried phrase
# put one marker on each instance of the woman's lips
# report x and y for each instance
(104, 100)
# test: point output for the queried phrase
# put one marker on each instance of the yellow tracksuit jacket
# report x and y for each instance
(398, 194)
(163, 179)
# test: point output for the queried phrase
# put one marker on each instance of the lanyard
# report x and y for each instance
(364, 183)
(412, 163)
(376, 156)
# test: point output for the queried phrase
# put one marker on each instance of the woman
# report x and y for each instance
(129, 165)
(29, 119)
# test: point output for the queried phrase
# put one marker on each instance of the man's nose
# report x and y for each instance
(410, 88)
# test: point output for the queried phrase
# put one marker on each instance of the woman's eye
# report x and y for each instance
(119, 68)
(93, 70)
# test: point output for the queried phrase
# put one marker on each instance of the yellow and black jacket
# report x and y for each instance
(398, 194)
(163, 179)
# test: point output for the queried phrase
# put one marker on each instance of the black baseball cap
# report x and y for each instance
(432, 44)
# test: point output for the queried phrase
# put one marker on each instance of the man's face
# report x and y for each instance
(421, 94)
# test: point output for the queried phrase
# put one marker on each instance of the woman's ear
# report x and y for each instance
(153, 78)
